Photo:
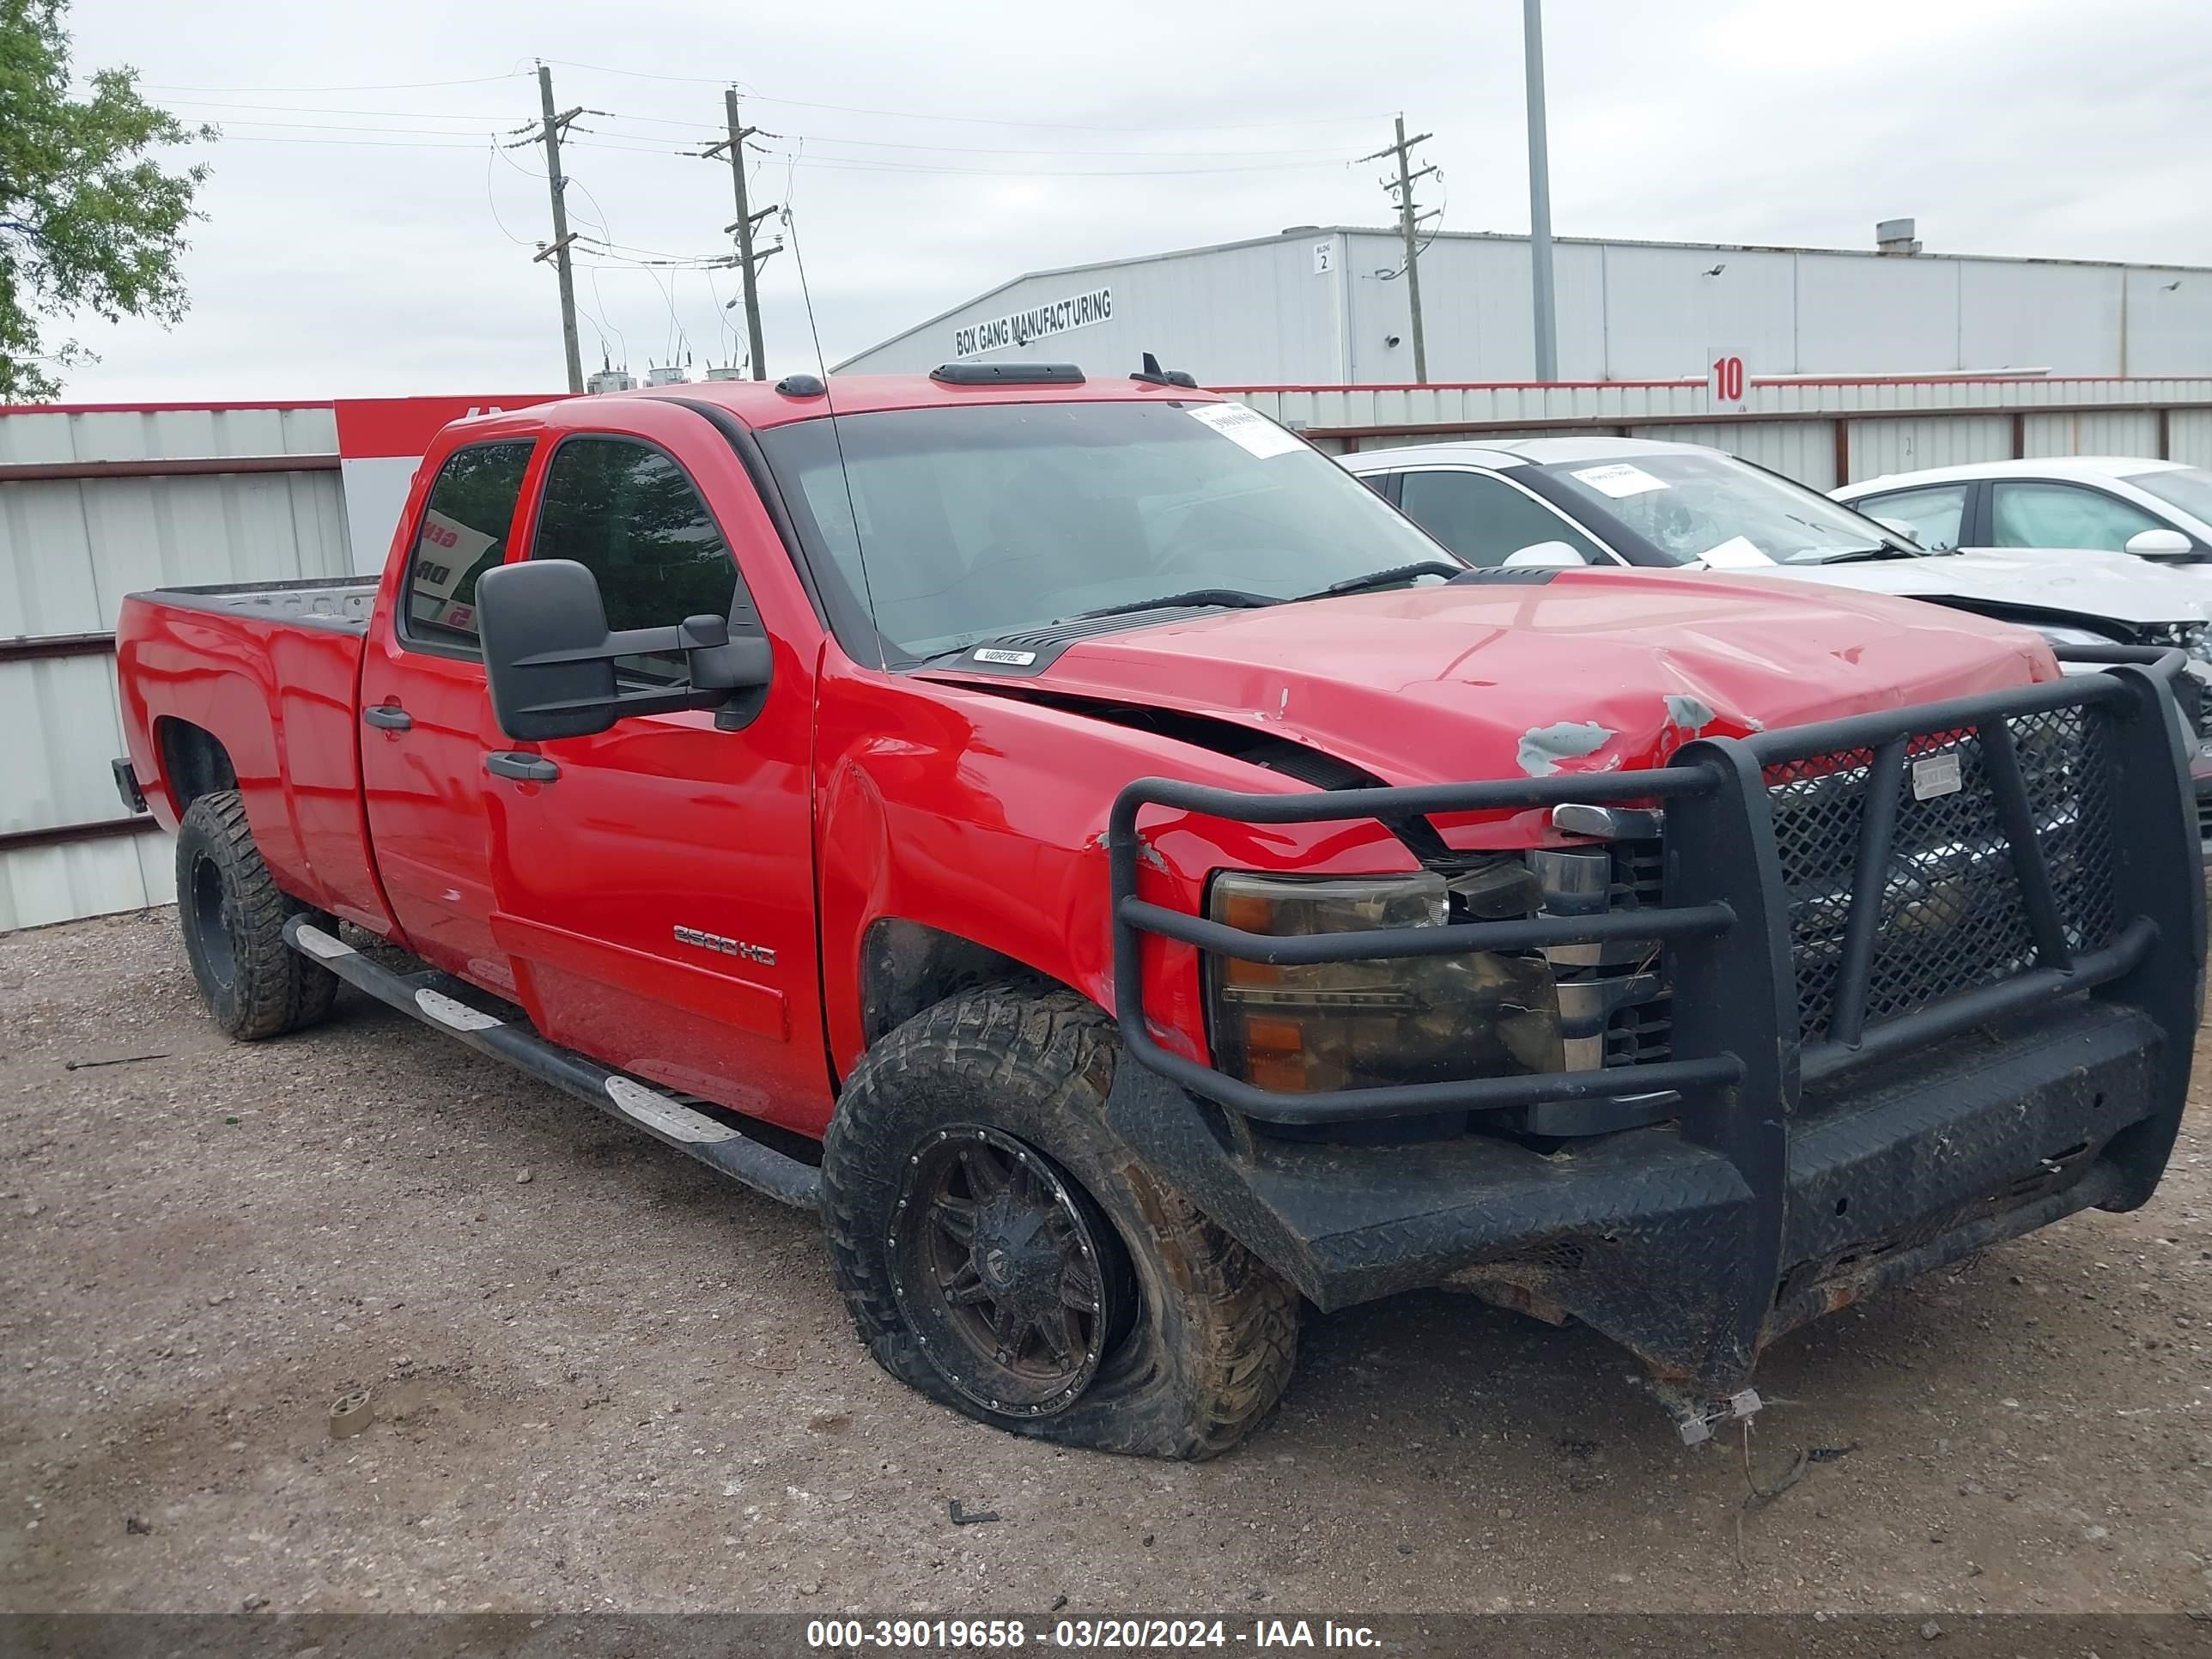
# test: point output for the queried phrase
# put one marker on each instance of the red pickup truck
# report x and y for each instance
(1133, 882)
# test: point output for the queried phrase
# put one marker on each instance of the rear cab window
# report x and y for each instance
(463, 533)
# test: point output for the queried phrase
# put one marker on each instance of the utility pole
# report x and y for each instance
(561, 238)
(1409, 226)
(1540, 194)
(749, 263)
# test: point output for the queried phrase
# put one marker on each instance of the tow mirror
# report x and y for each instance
(2161, 544)
(550, 659)
(1545, 555)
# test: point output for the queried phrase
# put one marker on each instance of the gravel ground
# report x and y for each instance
(603, 1378)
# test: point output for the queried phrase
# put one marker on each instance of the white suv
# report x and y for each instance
(2154, 509)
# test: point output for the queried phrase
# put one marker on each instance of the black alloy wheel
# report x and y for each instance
(1013, 1283)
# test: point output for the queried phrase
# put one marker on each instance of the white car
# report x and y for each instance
(1640, 501)
(1550, 501)
(2152, 509)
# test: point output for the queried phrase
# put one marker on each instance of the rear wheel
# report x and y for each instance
(1001, 1251)
(233, 915)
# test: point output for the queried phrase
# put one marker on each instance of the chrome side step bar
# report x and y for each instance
(640, 1105)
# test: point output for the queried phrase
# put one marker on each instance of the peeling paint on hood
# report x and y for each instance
(1688, 714)
(1542, 748)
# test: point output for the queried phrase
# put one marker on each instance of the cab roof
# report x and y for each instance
(759, 404)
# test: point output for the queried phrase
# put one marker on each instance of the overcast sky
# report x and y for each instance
(363, 235)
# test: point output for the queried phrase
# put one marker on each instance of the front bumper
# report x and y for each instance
(1809, 1159)
(1660, 1243)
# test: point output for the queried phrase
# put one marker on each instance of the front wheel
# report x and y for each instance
(233, 914)
(1001, 1251)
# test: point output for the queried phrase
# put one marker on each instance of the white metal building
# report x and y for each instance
(1318, 305)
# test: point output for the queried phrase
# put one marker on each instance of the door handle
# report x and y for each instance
(389, 715)
(526, 769)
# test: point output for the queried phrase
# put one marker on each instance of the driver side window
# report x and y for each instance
(630, 515)
(1486, 520)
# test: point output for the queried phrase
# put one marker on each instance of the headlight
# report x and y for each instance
(1360, 1024)
(2193, 639)
(2060, 634)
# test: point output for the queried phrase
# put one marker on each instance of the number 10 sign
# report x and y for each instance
(1725, 378)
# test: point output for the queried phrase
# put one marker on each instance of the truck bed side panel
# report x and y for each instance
(279, 696)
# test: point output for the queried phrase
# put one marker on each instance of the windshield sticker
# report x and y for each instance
(1620, 479)
(1736, 553)
(1247, 429)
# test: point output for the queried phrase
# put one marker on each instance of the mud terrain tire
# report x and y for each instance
(254, 984)
(1210, 1335)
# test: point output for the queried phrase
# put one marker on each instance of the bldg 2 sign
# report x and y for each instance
(1020, 327)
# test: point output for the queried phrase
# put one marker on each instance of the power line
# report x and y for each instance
(457, 140)
(479, 120)
(854, 165)
(1004, 149)
(967, 120)
(381, 85)
(492, 202)
(324, 109)
(329, 126)
(360, 143)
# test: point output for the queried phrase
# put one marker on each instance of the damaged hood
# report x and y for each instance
(1591, 671)
(2116, 587)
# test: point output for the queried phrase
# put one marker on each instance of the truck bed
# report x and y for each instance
(256, 686)
(338, 602)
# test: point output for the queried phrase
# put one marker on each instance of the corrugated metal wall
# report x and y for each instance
(1805, 450)
(2100, 432)
(96, 504)
(1903, 446)
(1824, 433)
(2188, 436)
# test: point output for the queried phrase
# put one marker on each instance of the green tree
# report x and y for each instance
(89, 223)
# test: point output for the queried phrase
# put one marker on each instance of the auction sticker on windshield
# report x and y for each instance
(1247, 429)
(1619, 479)
(1736, 553)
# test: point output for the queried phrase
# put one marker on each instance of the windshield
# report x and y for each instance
(983, 520)
(1695, 505)
(2189, 488)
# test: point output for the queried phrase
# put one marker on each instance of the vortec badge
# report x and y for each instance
(1012, 659)
(1934, 776)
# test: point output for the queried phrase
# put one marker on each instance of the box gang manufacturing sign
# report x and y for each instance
(1020, 327)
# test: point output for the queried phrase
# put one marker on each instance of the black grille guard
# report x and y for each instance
(1736, 1038)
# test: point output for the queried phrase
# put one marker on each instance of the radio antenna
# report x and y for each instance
(830, 401)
